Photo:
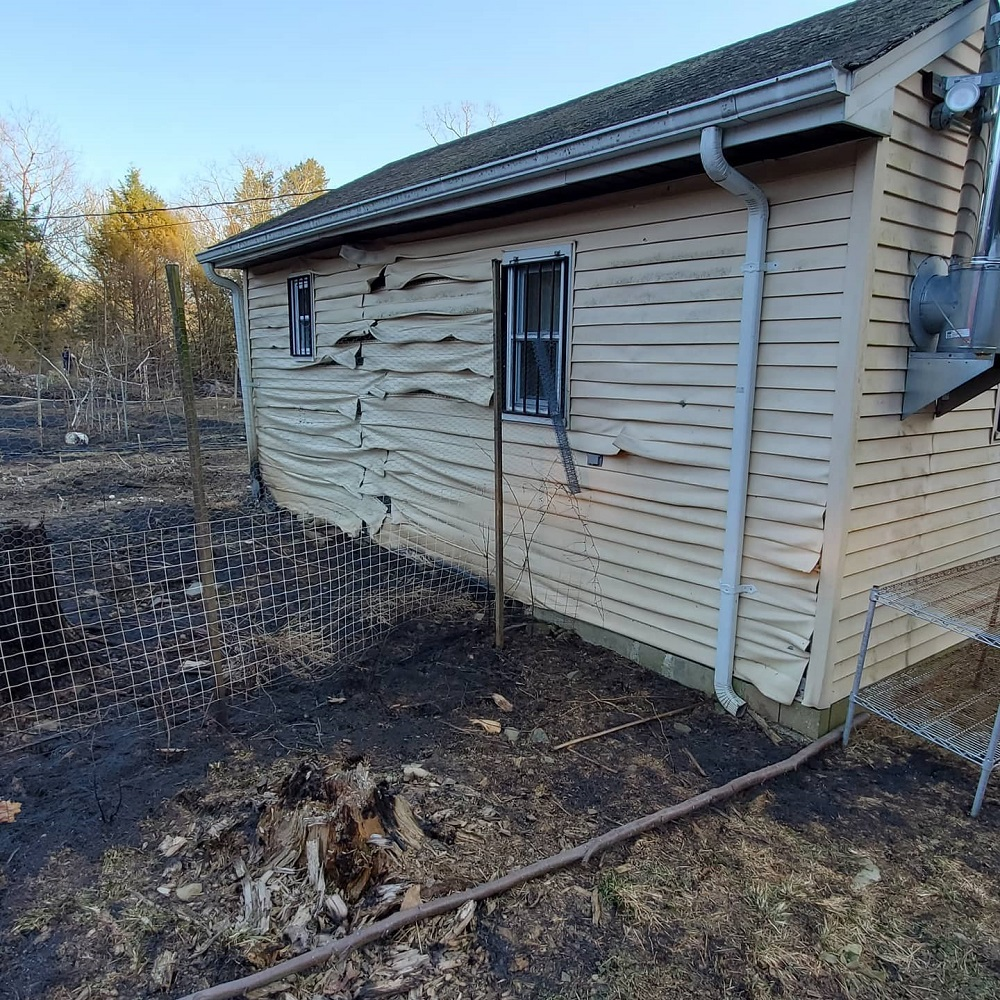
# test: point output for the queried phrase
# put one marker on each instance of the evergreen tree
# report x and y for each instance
(127, 248)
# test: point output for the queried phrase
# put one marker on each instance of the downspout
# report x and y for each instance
(235, 290)
(722, 173)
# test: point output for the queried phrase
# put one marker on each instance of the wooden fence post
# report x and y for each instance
(202, 525)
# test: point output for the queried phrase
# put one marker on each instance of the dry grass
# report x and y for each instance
(774, 911)
(410, 604)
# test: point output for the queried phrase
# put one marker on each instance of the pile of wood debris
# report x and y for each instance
(334, 849)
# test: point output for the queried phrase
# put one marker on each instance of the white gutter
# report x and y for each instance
(750, 114)
(719, 170)
(235, 290)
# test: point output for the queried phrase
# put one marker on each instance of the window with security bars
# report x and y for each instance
(300, 316)
(535, 297)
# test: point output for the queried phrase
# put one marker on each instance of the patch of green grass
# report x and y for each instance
(120, 873)
(48, 912)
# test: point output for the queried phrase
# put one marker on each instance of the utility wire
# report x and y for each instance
(173, 208)
(165, 225)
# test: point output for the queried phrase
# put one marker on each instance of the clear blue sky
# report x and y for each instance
(171, 88)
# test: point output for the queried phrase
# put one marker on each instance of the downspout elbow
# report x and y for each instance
(240, 319)
(723, 173)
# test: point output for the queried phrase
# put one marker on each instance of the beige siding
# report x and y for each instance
(398, 406)
(925, 490)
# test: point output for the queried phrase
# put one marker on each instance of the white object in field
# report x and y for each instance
(194, 589)
(77, 438)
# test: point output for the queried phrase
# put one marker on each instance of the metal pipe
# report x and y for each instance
(987, 769)
(860, 669)
(955, 309)
(235, 290)
(722, 173)
(979, 218)
(499, 333)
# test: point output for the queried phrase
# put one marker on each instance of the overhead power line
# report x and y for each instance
(175, 208)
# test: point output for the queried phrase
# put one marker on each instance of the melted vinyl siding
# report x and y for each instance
(400, 408)
(926, 490)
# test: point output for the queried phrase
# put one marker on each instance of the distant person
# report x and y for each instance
(67, 360)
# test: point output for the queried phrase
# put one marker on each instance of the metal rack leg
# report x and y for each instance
(862, 654)
(988, 762)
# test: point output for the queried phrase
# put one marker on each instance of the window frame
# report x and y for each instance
(509, 263)
(298, 276)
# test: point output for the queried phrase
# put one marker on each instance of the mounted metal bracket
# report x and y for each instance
(744, 589)
(931, 375)
(940, 85)
(954, 329)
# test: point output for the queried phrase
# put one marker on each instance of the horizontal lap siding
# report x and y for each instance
(656, 328)
(655, 325)
(926, 489)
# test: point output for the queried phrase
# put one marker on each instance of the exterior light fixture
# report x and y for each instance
(962, 96)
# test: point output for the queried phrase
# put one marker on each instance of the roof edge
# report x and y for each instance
(552, 165)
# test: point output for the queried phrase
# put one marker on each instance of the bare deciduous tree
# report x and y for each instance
(38, 173)
(445, 122)
(37, 188)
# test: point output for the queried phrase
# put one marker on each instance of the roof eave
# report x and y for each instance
(809, 98)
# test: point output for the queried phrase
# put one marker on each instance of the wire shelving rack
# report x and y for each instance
(954, 705)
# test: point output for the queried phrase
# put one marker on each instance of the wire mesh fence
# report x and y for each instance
(391, 432)
(103, 613)
(116, 626)
(45, 414)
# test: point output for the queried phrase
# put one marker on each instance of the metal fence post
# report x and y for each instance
(498, 396)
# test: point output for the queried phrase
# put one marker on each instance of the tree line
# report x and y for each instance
(83, 271)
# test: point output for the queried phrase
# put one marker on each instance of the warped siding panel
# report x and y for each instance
(925, 493)
(656, 293)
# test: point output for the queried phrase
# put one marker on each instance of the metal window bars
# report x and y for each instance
(300, 316)
(952, 703)
(535, 303)
(535, 320)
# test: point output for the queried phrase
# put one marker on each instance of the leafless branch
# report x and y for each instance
(445, 122)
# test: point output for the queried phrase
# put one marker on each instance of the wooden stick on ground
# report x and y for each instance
(624, 725)
(694, 763)
(571, 856)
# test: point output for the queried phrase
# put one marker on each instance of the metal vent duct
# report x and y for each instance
(955, 305)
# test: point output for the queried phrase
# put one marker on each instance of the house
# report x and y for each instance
(704, 304)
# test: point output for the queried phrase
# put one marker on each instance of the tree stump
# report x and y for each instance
(36, 646)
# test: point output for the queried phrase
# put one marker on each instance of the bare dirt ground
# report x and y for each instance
(132, 872)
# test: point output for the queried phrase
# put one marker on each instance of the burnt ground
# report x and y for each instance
(763, 897)
(115, 484)
(151, 426)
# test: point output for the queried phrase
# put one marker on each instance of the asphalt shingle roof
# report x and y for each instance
(850, 37)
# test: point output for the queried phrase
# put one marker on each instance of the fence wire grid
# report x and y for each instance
(115, 627)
